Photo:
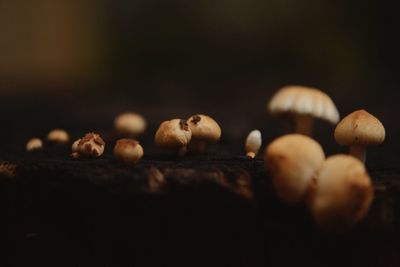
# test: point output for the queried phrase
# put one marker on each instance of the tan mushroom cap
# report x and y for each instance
(130, 123)
(204, 128)
(293, 161)
(128, 151)
(304, 101)
(173, 134)
(360, 128)
(341, 194)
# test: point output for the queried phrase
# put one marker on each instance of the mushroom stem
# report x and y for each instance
(197, 146)
(182, 151)
(251, 155)
(304, 124)
(359, 152)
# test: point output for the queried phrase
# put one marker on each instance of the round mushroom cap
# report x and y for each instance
(130, 123)
(173, 134)
(128, 151)
(58, 136)
(360, 128)
(341, 194)
(304, 101)
(204, 128)
(293, 161)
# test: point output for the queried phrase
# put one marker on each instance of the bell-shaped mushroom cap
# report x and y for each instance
(360, 128)
(304, 101)
(173, 134)
(341, 194)
(204, 128)
(293, 161)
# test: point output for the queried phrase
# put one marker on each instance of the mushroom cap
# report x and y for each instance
(130, 123)
(304, 101)
(173, 134)
(34, 144)
(128, 150)
(58, 136)
(359, 128)
(204, 128)
(293, 161)
(341, 194)
(91, 145)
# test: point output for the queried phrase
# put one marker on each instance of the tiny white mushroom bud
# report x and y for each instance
(34, 144)
(253, 143)
(128, 151)
(91, 145)
(58, 136)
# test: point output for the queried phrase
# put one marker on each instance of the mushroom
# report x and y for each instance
(174, 135)
(205, 130)
(341, 194)
(58, 136)
(34, 144)
(253, 143)
(359, 130)
(303, 104)
(91, 145)
(293, 161)
(128, 151)
(130, 124)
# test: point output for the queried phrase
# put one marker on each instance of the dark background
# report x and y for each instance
(76, 64)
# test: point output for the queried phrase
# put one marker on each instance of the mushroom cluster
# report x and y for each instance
(192, 135)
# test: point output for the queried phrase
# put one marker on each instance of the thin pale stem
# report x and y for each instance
(304, 124)
(359, 152)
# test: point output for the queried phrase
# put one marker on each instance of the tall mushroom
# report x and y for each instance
(303, 104)
(359, 130)
(205, 130)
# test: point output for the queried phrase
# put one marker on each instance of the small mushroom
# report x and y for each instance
(59, 136)
(130, 124)
(341, 194)
(253, 143)
(303, 104)
(34, 144)
(359, 130)
(174, 135)
(91, 145)
(293, 161)
(128, 151)
(205, 130)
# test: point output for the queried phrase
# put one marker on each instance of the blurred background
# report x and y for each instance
(79, 63)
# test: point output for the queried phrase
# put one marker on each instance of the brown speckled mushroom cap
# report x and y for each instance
(341, 194)
(173, 134)
(359, 128)
(304, 101)
(204, 128)
(293, 161)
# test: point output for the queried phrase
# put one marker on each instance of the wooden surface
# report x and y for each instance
(216, 209)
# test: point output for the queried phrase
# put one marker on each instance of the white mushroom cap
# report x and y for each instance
(293, 161)
(341, 194)
(58, 136)
(253, 143)
(359, 128)
(304, 101)
(128, 151)
(130, 123)
(173, 134)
